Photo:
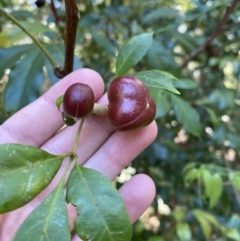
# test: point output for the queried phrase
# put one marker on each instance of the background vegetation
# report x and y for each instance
(195, 159)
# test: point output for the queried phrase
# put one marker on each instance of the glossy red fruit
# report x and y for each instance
(78, 100)
(130, 105)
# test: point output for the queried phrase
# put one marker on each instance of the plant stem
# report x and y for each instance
(72, 17)
(77, 137)
(100, 109)
(35, 40)
(57, 19)
(217, 31)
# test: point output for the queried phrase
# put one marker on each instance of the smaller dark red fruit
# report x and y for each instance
(130, 105)
(78, 100)
(40, 3)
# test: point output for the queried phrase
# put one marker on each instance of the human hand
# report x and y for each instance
(99, 148)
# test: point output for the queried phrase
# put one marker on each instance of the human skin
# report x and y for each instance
(100, 148)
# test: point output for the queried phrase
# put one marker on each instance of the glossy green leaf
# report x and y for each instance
(183, 231)
(158, 57)
(216, 191)
(24, 172)
(9, 56)
(222, 99)
(187, 116)
(161, 99)
(102, 215)
(132, 51)
(157, 79)
(234, 177)
(212, 116)
(185, 84)
(232, 233)
(206, 221)
(189, 167)
(49, 221)
(206, 228)
(156, 238)
(207, 178)
(213, 186)
(14, 33)
(191, 175)
(188, 42)
(27, 78)
(59, 101)
(165, 12)
(103, 42)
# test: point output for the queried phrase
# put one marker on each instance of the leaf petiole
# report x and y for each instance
(35, 40)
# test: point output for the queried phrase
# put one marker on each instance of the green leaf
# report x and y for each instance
(187, 116)
(102, 213)
(189, 167)
(9, 56)
(158, 57)
(183, 231)
(59, 101)
(162, 102)
(165, 12)
(14, 33)
(185, 84)
(232, 233)
(132, 51)
(206, 228)
(24, 172)
(157, 79)
(103, 42)
(206, 220)
(212, 116)
(222, 99)
(155, 238)
(25, 81)
(216, 191)
(213, 186)
(188, 42)
(49, 221)
(191, 175)
(234, 177)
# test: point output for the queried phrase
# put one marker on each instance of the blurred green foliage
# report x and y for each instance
(194, 161)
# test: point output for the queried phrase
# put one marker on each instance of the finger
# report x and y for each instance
(40, 120)
(138, 193)
(96, 130)
(120, 149)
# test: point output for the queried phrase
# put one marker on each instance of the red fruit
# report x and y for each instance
(130, 105)
(78, 100)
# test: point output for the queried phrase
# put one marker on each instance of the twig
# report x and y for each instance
(54, 12)
(217, 31)
(35, 40)
(57, 19)
(72, 17)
